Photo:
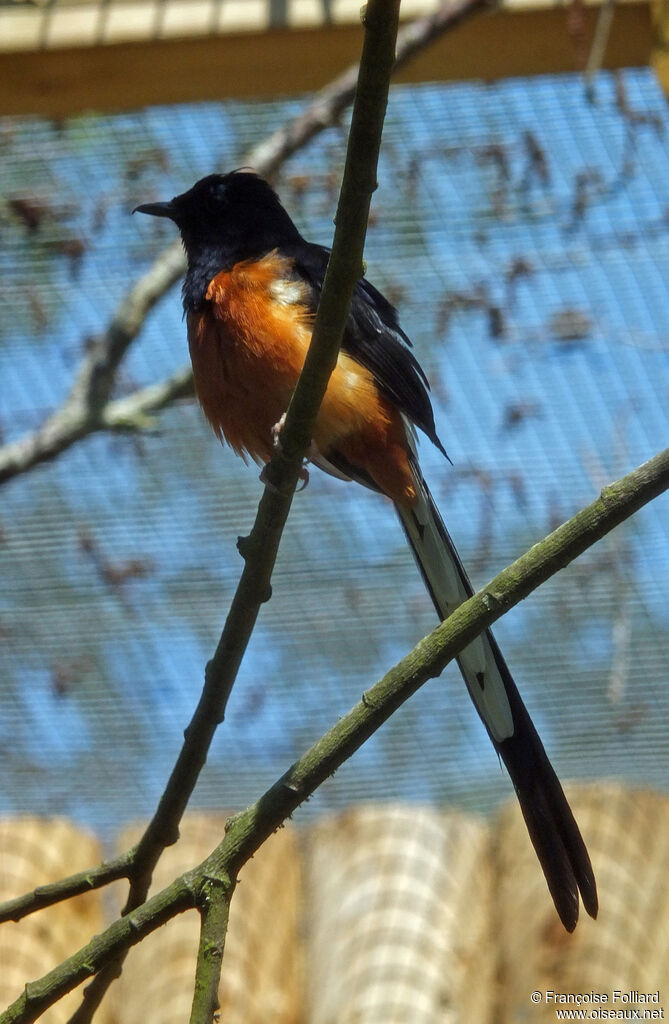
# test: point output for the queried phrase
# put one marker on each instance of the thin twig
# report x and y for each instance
(134, 411)
(598, 48)
(65, 888)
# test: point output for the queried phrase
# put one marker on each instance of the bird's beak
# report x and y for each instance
(158, 209)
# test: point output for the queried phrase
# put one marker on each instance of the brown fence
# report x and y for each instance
(387, 914)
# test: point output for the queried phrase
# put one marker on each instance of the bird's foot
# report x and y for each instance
(264, 478)
(311, 453)
(276, 433)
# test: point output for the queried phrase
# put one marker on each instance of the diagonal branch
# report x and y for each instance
(66, 888)
(329, 104)
(83, 411)
(134, 411)
(246, 832)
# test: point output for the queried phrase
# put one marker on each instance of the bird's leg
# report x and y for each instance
(311, 453)
(276, 432)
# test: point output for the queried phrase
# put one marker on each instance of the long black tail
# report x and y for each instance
(550, 822)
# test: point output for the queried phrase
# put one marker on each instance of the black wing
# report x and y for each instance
(374, 337)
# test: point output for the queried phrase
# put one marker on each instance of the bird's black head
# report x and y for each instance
(225, 218)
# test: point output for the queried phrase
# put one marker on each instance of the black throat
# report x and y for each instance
(209, 254)
(202, 269)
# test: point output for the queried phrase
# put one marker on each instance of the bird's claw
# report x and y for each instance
(264, 479)
(303, 475)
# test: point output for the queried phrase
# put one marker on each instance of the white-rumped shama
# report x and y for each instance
(250, 295)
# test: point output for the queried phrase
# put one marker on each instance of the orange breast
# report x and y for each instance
(247, 351)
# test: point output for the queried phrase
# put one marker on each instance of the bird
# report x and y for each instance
(250, 294)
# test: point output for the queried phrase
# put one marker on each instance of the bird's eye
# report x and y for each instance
(217, 191)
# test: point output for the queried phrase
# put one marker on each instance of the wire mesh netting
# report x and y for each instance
(524, 235)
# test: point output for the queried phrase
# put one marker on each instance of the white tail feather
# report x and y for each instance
(449, 587)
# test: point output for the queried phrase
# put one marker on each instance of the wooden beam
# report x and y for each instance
(124, 76)
(660, 57)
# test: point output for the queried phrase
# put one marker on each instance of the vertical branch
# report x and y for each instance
(345, 268)
(214, 915)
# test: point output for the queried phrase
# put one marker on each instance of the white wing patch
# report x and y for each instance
(288, 293)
